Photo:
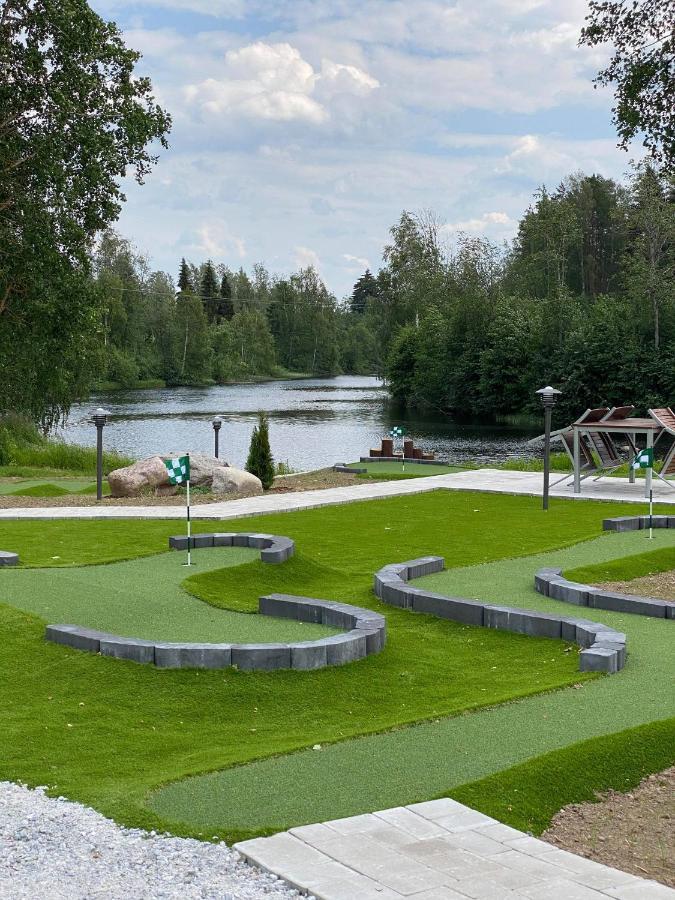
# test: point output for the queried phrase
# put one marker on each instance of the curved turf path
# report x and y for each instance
(423, 761)
(144, 598)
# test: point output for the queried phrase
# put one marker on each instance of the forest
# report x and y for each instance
(582, 298)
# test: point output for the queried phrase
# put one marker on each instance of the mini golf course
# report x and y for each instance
(126, 738)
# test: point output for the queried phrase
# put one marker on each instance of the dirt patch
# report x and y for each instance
(311, 481)
(634, 832)
(660, 585)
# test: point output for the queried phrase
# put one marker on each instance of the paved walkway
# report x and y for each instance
(439, 850)
(492, 480)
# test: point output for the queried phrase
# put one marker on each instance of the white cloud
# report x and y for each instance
(274, 82)
(490, 223)
(356, 263)
(306, 258)
(215, 241)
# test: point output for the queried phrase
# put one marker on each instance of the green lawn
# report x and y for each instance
(393, 470)
(54, 487)
(110, 733)
(649, 562)
(529, 795)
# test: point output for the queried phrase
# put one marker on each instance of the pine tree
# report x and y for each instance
(364, 288)
(184, 283)
(260, 461)
(225, 306)
(208, 288)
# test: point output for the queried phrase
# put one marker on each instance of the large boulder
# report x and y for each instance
(134, 479)
(228, 480)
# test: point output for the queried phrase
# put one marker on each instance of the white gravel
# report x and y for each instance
(53, 849)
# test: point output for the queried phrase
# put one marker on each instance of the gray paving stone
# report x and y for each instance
(223, 539)
(599, 659)
(645, 890)
(345, 648)
(75, 636)
(281, 606)
(260, 541)
(308, 655)
(9, 558)
(134, 649)
(261, 657)
(240, 539)
(454, 608)
(622, 523)
(413, 825)
(657, 521)
(523, 621)
(192, 656)
(424, 565)
(203, 540)
(618, 648)
(561, 889)
(570, 592)
(376, 638)
(179, 542)
(644, 606)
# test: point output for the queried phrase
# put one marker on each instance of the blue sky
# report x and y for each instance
(302, 128)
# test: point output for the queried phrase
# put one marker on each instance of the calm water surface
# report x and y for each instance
(313, 423)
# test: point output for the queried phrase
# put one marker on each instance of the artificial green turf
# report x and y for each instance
(429, 760)
(411, 470)
(56, 487)
(139, 727)
(626, 569)
(143, 598)
(529, 795)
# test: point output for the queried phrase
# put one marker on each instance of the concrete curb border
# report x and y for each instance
(637, 523)
(603, 649)
(366, 635)
(552, 583)
(274, 548)
(8, 558)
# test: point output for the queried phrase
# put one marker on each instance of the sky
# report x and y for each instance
(303, 128)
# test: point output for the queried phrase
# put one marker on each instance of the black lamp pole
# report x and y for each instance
(549, 396)
(100, 420)
(217, 424)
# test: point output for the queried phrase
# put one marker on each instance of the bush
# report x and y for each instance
(260, 461)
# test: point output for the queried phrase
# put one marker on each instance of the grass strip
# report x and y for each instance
(529, 795)
(626, 569)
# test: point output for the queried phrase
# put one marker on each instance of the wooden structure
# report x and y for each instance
(410, 451)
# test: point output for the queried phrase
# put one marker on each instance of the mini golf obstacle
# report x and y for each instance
(603, 649)
(365, 630)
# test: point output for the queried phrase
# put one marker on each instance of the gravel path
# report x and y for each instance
(53, 849)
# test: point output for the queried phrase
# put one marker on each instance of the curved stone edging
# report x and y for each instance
(637, 523)
(603, 649)
(366, 635)
(552, 583)
(274, 548)
(8, 558)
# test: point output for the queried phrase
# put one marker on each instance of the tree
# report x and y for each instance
(260, 461)
(208, 288)
(642, 69)
(225, 306)
(364, 289)
(73, 118)
(184, 280)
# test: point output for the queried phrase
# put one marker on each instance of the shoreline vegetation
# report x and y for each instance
(145, 384)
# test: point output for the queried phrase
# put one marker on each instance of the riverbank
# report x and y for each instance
(112, 387)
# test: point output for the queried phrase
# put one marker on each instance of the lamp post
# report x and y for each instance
(549, 396)
(100, 421)
(217, 423)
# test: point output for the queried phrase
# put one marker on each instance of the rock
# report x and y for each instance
(132, 480)
(202, 466)
(228, 480)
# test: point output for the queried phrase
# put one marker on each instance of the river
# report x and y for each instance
(313, 423)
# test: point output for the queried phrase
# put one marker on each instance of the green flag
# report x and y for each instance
(644, 459)
(178, 469)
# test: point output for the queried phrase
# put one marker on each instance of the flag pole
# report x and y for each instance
(651, 509)
(189, 524)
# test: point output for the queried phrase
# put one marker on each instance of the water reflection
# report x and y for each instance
(313, 422)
